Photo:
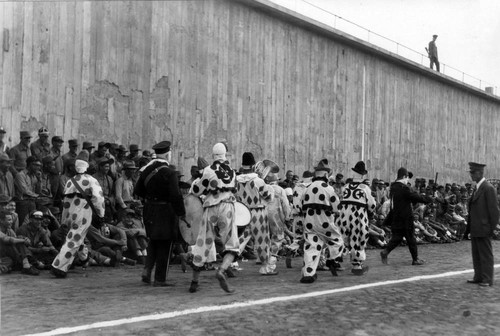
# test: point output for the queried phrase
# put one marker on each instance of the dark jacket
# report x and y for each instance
(163, 201)
(402, 196)
(483, 211)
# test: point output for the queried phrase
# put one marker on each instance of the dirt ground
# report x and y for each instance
(439, 306)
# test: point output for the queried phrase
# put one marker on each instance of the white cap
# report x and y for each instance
(219, 151)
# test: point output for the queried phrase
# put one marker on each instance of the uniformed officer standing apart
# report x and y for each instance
(483, 218)
(158, 185)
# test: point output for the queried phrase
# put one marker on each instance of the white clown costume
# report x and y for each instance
(278, 213)
(77, 214)
(217, 185)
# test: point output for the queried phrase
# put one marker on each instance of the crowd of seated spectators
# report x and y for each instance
(33, 176)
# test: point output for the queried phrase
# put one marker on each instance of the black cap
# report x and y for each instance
(57, 138)
(473, 166)
(162, 147)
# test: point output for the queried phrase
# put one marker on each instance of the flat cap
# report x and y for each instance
(103, 144)
(122, 148)
(134, 148)
(73, 142)
(473, 166)
(87, 144)
(24, 134)
(57, 138)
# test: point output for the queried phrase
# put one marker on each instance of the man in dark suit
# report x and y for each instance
(483, 217)
(159, 186)
(400, 216)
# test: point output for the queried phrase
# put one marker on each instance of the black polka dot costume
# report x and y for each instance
(77, 215)
(217, 185)
(319, 205)
(357, 202)
(255, 193)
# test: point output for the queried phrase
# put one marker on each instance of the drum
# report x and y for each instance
(242, 215)
(194, 215)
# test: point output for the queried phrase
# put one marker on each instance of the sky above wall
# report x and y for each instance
(468, 31)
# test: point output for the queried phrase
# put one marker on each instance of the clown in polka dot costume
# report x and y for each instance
(77, 215)
(357, 203)
(217, 186)
(319, 205)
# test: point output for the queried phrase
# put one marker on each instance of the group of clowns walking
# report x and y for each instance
(331, 226)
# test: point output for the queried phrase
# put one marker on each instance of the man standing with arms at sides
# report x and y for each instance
(72, 153)
(21, 152)
(483, 217)
(41, 147)
(400, 216)
(433, 53)
(159, 186)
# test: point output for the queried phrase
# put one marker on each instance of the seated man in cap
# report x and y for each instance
(41, 147)
(20, 153)
(121, 157)
(357, 203)
(137, 241)
(134, 153)
(40, 245)
(110, 241)
(108, 187)
(15, 247)
(27, 183)
(124, 189)
(6, 177)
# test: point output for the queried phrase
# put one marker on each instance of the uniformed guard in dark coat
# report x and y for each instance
(159, 186)
(483, 218)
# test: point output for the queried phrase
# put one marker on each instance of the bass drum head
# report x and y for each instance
(242, 215)
(194, 217)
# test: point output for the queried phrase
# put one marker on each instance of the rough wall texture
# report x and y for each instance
(199, 72)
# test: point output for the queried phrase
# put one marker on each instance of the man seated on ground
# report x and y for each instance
(137, 241)
(376, 235)
(456, 222)
(110, 241)
(9, 205)
(124, 188)
(40, 246)
(14, 248)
